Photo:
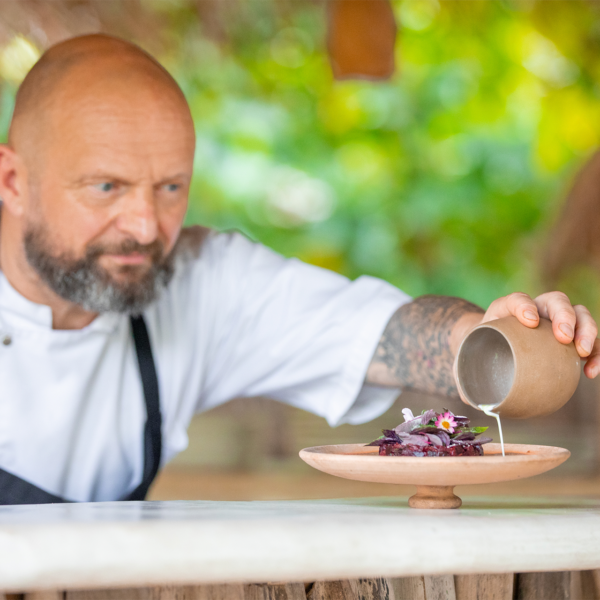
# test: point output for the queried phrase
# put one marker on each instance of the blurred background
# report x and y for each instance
(430, 143)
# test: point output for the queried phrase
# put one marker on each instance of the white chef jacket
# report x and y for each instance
(236, 320)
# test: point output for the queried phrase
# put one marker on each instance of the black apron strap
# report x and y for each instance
(153, 428)
(14, 490)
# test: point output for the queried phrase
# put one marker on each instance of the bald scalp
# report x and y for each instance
(80, 70)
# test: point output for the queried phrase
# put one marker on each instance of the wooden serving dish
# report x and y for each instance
(435, 477)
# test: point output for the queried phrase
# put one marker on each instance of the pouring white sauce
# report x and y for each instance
(488, 410)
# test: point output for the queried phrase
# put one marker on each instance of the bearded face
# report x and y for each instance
(102, 156)
(84, 281)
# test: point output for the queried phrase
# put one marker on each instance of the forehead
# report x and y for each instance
(120, 122)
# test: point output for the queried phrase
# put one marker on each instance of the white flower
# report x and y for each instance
(408, 416)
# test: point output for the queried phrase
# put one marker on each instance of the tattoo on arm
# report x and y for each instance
(414, 351)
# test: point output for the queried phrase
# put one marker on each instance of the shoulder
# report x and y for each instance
(204, 248)
(207, 260)
(190, 243)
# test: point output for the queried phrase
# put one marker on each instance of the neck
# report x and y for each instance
(24, 279)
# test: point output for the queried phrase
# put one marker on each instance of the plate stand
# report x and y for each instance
(434, 496)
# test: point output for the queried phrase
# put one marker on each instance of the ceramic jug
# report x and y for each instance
(523, 372)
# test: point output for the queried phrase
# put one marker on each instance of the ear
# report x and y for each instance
(13, 181)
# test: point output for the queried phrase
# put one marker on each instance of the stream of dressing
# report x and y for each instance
(487, 409)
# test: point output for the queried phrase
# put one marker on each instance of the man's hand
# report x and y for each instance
(418, 346)
(569, 323)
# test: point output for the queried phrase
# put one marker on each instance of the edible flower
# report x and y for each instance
(408, 414)
(446, 421)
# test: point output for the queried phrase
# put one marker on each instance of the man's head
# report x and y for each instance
(96, 174)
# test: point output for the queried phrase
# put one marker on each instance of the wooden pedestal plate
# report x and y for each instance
(435, 477)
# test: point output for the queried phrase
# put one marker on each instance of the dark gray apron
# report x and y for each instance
(14, 490)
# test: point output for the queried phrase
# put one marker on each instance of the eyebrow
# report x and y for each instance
(101, 176)
(183, 176)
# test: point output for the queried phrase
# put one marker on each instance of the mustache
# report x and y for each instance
(83, 281)
(155, 249)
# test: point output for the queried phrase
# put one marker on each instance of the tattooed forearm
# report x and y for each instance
(415, 350)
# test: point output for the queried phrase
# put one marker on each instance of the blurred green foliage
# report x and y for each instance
(443, 180)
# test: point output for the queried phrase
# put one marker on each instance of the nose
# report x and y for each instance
(138, 217)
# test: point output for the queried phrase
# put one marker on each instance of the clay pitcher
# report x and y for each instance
(523, 372)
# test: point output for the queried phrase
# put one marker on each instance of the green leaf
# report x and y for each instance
(475, 430)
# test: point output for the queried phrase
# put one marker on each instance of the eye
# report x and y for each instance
(105, 186)
(172, 187)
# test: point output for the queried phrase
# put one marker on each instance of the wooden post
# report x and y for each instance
(491, 587)
(561, 585)
(439, 587)
(355, 589)
(333, 590)
(285, 591)
(590, 590)
(211, 592)
(374, 589)
(278, 591)
(147, 593)
(409, 588)
(574, 585)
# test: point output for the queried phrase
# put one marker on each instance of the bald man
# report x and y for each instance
(117, 326)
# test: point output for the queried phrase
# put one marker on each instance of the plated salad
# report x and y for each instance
(432, 434)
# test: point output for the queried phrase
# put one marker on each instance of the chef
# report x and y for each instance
(117, 325)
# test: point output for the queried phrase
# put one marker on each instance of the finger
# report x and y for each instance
(519, 305)
(592, 365)
(556, 306)
(586, 330)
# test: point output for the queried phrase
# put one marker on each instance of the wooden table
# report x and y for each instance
(371, 549)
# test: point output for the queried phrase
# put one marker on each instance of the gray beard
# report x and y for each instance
(84, 282)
